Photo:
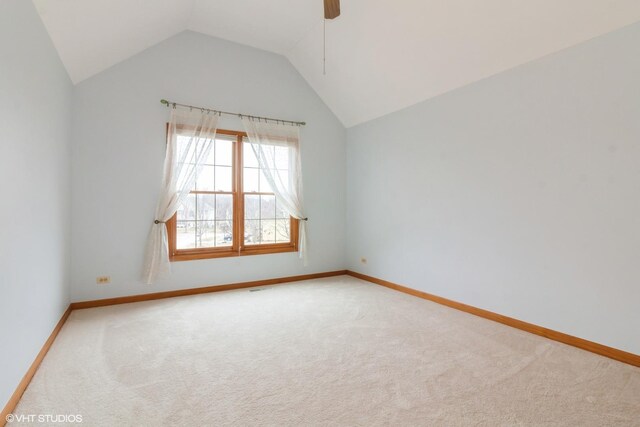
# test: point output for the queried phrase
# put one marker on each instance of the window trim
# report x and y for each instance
(238, 248)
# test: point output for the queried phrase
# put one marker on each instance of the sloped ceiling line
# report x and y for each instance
(382, 55)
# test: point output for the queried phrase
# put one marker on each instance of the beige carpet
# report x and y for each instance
(334, 352)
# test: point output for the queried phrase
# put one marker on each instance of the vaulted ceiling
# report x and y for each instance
(382, 55)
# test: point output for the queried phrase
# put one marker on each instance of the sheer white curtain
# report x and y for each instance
(191, 135)
(277, 148)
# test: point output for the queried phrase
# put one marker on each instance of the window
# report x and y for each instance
(231, 210)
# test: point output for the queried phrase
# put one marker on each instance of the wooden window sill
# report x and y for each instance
(247, 251)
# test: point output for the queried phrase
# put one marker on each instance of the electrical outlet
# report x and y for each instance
(363, 260)
(103, 280)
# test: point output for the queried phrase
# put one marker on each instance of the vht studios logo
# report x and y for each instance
(44, 418)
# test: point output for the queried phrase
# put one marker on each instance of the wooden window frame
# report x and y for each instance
(238, 248)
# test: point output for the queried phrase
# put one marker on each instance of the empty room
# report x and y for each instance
(320, 213)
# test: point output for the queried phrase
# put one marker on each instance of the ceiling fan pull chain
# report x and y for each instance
(331, 11)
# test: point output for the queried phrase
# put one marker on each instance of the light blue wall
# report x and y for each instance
(35, 121)
(519, 194)
(118, 150)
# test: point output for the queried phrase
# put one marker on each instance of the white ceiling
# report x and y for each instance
(382, 55)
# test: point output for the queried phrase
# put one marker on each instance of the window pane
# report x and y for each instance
(189, 149)
(283, 230)
(206, 207)
(185, 234)
(268, 155)
(210, 158)
(224, 206)
(268, 231)
(267, 207)
(205, 180)
(224, 180)
(224, 152)
(205, 234)
(264, 185)
(224, 233)
(250, 180)
(249, 157)
(251, 206)
(187, 211)
(281, 177)
(186, 150)
(280, 212)
(282, 158)
(251, 232)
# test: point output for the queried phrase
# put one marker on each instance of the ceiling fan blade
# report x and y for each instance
(331, 9)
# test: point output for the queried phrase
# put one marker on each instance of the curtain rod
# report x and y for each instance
(175, 104)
